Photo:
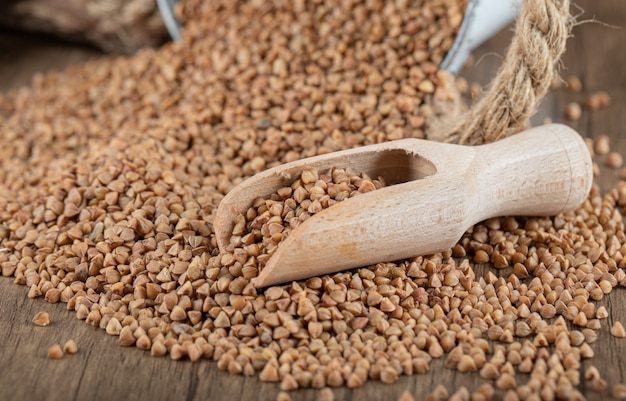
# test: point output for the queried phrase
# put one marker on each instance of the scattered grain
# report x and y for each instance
(481, 257)
(158, 349)
(619, 392)
(506, 381)
(510, 395)
(598, 385)
(617, 330)
(602, 145)
(288, 383)
(574, 84)
(461, 394)
(41, 319)
(573, 111)
(486, 390)
(283, 396)
(406, 396)
(466, 364)
(586, 351)
(489, 371)
(614, 160)
(326, 394)
(70, 347)
(440, 392)
(598, 100)
(55, 352)
(116, 216)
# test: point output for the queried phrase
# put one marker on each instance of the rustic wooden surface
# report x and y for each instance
(102, 370)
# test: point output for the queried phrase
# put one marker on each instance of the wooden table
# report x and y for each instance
(104, 371)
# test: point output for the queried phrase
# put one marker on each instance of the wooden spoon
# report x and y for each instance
(438, 191)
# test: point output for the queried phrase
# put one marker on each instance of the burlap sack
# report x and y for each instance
(121, 26)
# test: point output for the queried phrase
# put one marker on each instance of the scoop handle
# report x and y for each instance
(543, 171)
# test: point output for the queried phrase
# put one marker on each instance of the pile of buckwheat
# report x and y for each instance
(267, 222)
(111, 172)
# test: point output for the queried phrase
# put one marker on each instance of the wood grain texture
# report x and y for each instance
(101, 370)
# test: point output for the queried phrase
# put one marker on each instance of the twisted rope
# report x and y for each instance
(524, 78)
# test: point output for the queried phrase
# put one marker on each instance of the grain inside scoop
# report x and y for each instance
(435, 193)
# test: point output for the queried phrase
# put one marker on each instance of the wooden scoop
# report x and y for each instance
(436, 192)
